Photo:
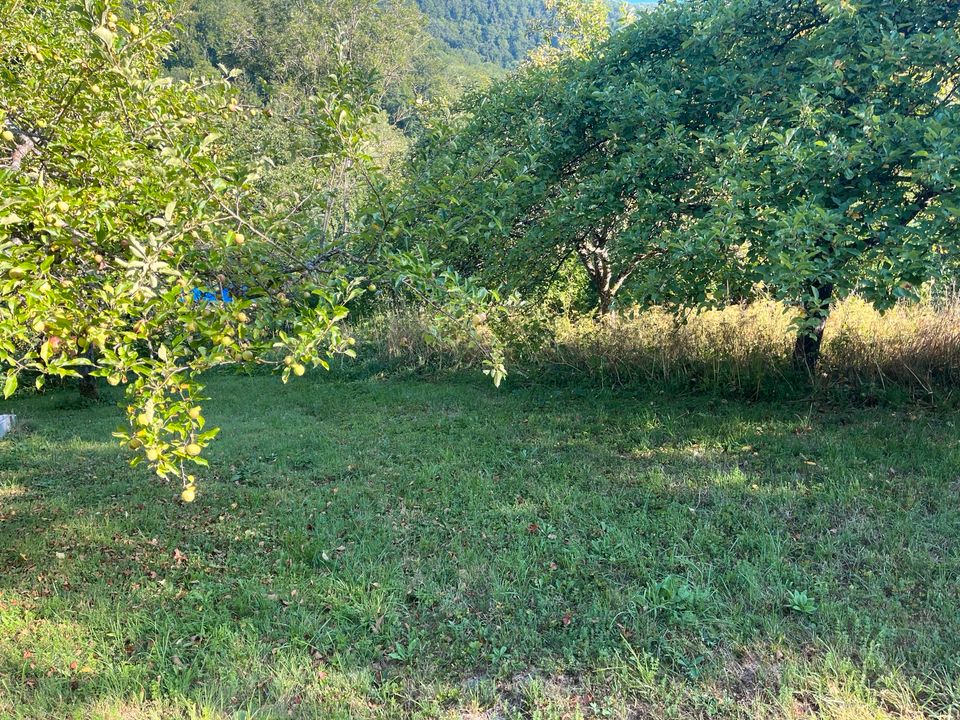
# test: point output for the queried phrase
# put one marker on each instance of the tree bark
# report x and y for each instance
(600, 276)
(25, 145)
(20, 152)
(89, 388)
(596, 260)
(806, 348)
(604, 301)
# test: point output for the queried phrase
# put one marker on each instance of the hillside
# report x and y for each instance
(498, 31)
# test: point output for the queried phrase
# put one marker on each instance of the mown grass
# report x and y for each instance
(383, 548)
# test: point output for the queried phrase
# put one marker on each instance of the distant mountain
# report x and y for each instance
(497, 31)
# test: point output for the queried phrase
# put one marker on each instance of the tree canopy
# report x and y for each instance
(712, 151)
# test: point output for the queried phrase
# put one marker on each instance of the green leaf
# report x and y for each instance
(10, 386)
(105, 35)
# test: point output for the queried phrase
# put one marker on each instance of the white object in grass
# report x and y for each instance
(6, 424)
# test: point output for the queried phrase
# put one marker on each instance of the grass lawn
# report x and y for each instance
(389, 548)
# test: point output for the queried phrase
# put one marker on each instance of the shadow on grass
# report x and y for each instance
(391, 549)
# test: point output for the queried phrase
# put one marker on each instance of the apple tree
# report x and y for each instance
(134, 244)
(839, 170)
(709, 151)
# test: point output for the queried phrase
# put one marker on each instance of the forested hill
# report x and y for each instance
(499, 31)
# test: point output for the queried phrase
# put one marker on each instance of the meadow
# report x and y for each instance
(383, 546)
(645, 335)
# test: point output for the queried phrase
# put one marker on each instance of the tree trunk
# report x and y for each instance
(806, 348)
(596, 260)
(604, 300)
(89, 388)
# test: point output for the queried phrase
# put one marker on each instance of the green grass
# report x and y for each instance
(386, 548)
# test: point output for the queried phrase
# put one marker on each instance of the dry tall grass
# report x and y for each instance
(914, 345)
(745, 349)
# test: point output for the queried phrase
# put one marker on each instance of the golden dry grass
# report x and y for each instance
(913, 348)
